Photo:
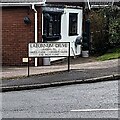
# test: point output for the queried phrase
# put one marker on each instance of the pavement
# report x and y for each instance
(82, 70)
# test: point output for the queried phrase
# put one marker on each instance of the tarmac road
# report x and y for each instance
(92, 100)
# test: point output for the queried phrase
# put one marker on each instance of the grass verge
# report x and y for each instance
(112, 54)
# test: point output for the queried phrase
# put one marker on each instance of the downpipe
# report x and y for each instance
(36, 29)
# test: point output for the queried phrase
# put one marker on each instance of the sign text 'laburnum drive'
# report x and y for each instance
(48, 49)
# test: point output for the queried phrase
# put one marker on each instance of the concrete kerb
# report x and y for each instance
(54, 84)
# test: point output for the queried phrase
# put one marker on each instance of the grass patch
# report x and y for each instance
(113, 54)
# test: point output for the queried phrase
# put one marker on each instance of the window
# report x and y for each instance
(73, 24)
(51, 26)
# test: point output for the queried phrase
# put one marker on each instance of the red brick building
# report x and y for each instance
(18, 28)
(17, 33)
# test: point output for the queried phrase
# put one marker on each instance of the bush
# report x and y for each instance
(105, 26)
(114, 32)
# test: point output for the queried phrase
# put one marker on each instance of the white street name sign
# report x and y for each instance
(48, 49)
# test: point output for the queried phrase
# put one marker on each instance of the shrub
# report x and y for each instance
(105, 26)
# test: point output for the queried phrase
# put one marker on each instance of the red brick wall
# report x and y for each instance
(16, 34)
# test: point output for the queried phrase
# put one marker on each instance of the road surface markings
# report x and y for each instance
(93, 110)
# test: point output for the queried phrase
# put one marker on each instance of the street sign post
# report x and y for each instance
(58, 49)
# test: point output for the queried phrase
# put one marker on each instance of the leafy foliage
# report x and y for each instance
(105, 26)
(114, 32)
